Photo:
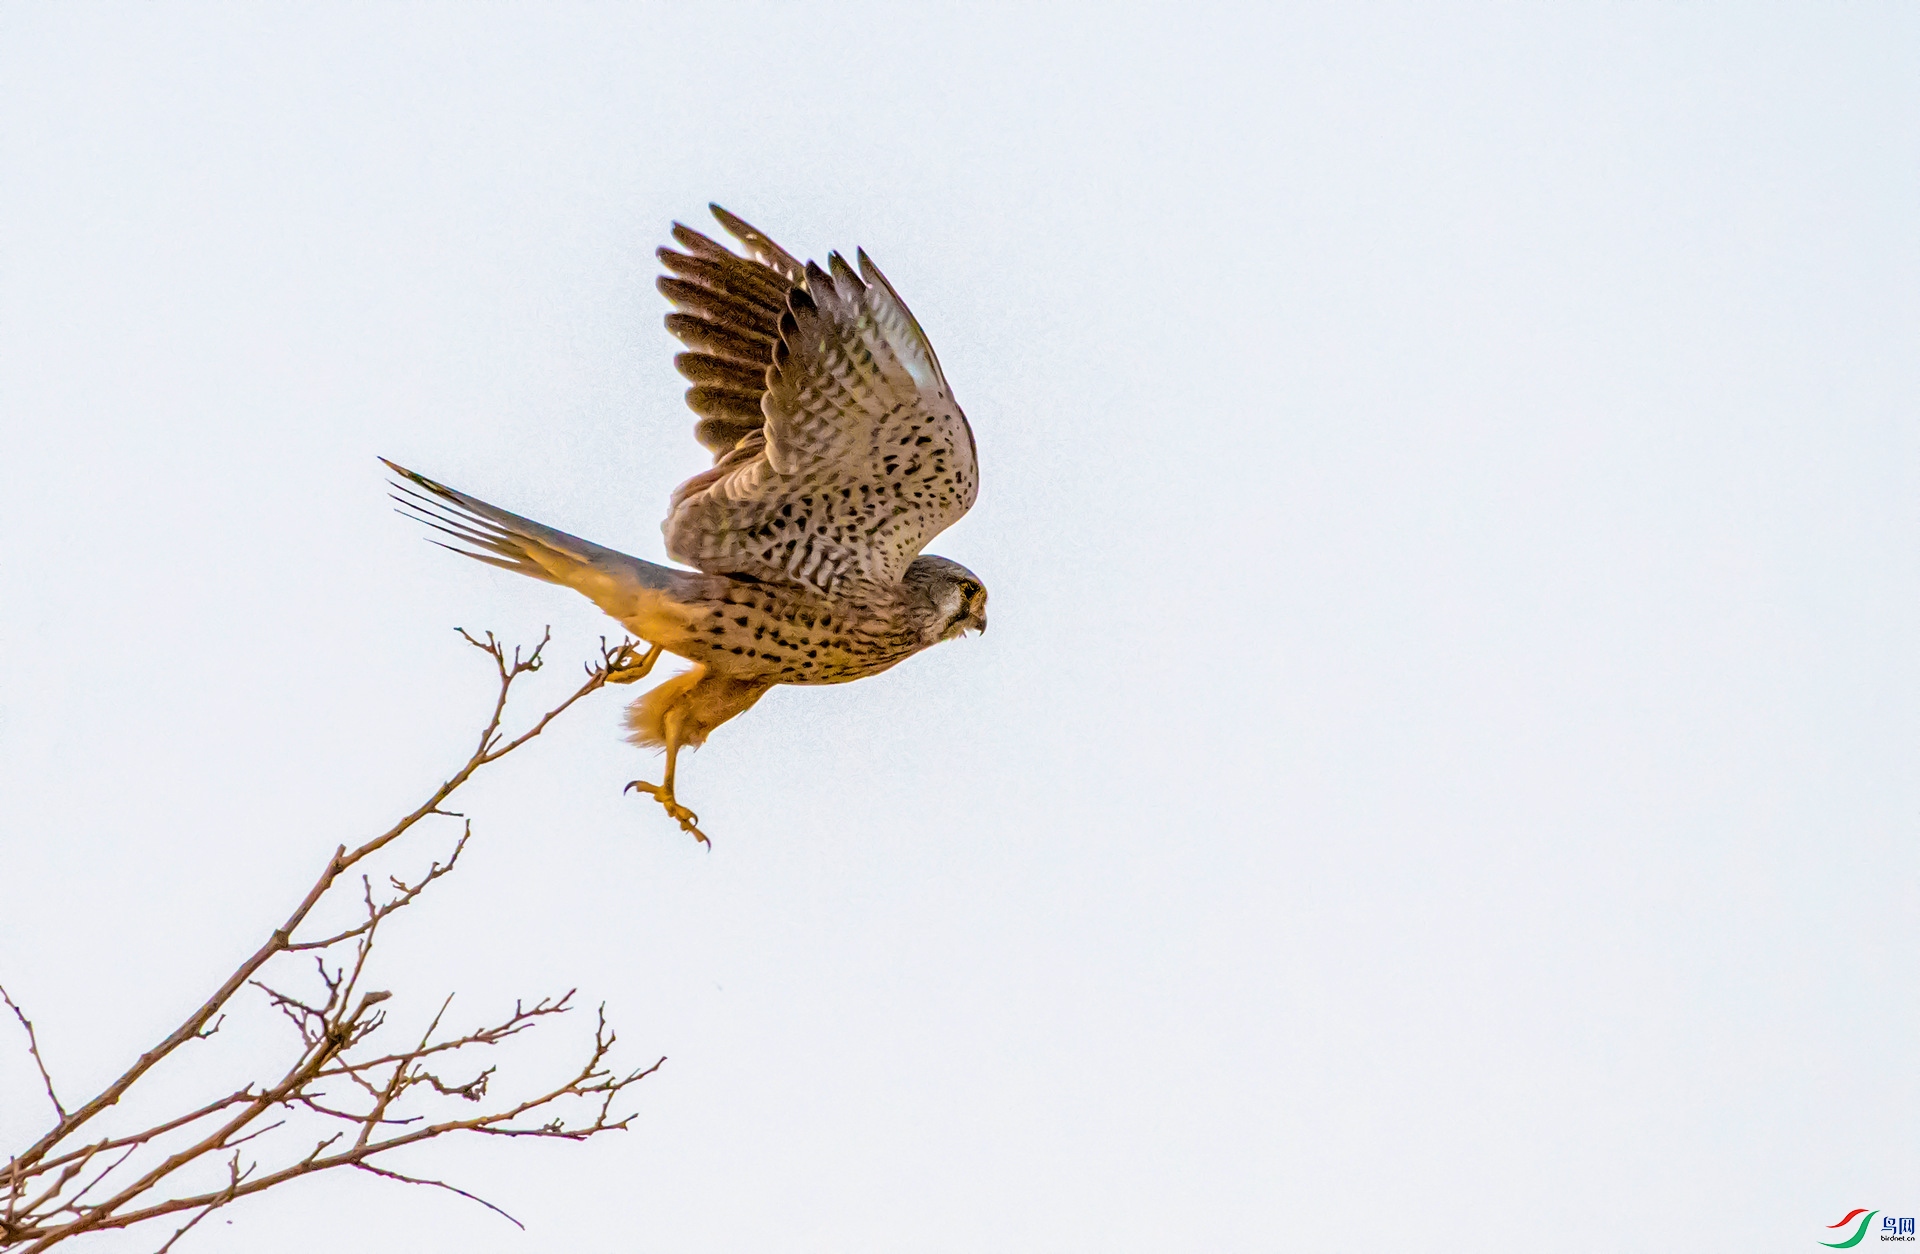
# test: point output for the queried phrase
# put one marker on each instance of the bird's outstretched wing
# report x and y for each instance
(839, 451)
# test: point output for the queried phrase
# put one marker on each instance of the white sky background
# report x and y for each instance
(1441, 774)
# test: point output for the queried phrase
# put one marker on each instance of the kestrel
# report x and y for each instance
(838, 453)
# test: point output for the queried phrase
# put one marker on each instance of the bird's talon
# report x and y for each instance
(630, 666)
(686, 818)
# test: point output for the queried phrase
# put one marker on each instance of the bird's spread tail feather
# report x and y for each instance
(625, 587)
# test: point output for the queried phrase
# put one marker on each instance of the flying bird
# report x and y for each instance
(838, 453)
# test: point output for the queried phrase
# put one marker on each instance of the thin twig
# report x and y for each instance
(441, 1184)
(235, 1176)
(33, 1047)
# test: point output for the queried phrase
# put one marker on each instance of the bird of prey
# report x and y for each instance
(838, 453)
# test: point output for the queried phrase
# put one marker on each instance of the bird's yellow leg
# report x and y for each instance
(663, 791)
(632, 671)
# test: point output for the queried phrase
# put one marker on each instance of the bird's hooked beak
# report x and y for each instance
(970, 615)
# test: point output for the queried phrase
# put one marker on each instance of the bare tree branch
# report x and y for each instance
(365, 1101)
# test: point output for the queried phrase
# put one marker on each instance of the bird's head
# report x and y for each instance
(955, 594)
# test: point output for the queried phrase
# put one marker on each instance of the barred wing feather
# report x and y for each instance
(859, 456)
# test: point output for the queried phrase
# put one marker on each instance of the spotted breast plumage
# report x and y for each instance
(838, 454)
